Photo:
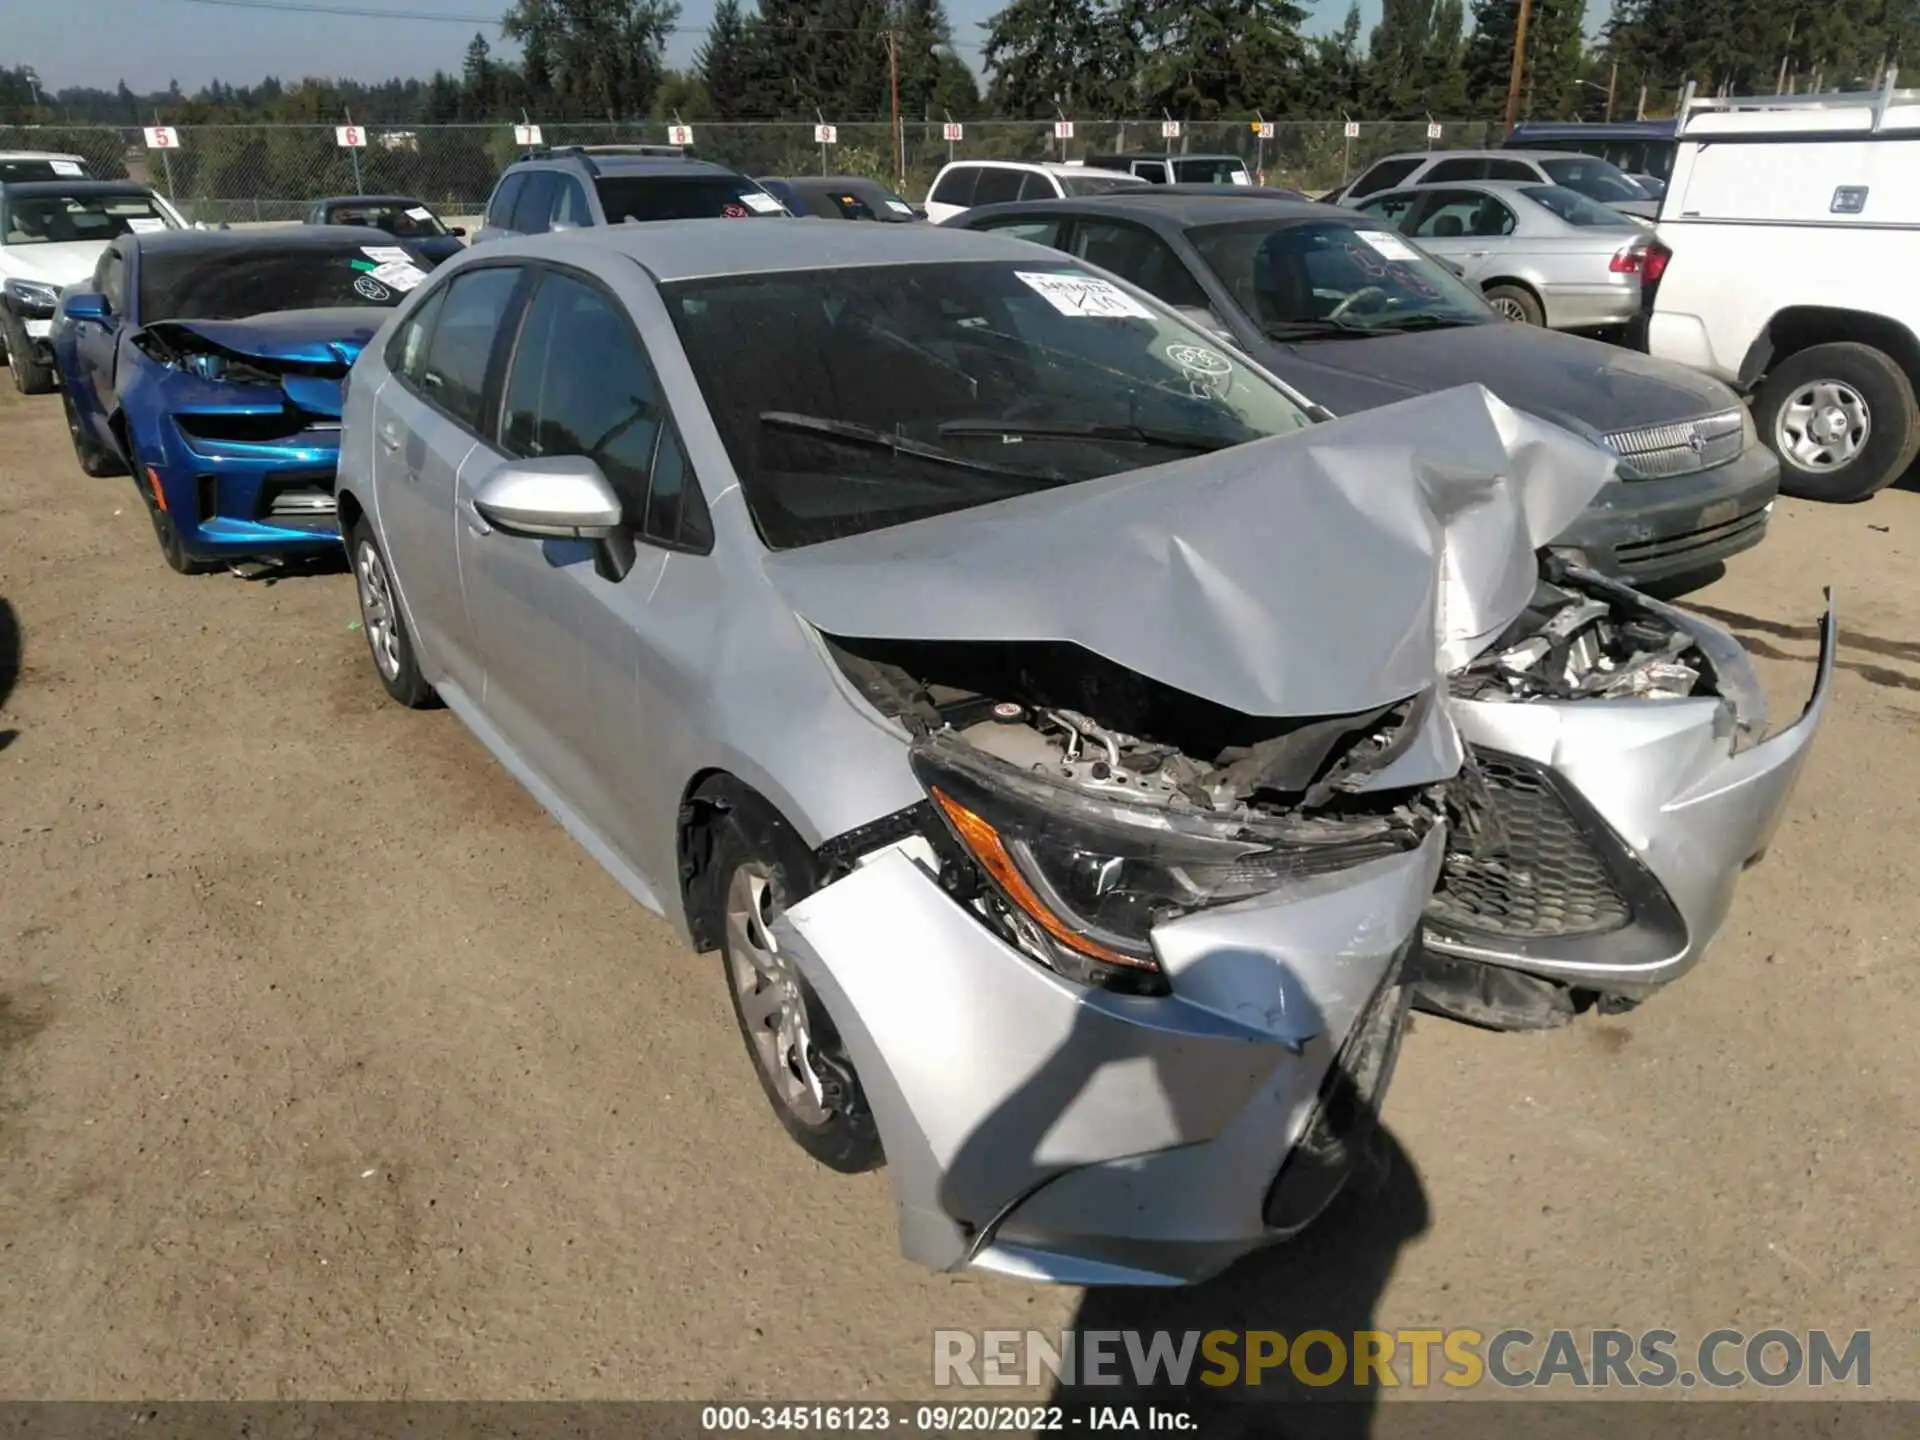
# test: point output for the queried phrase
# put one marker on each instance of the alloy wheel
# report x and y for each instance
(773, 1004)
(378, 614)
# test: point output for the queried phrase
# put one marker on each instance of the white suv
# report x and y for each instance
(967, 183)
(1783, 264)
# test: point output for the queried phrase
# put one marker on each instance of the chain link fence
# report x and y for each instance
(242, 174)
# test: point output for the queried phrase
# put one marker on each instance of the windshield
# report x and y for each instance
(403, 218)
(1210, 171)
(867, 202)
(683, 197)
(58, 167)
(938, 387)
(1595, 179)
(222, 283)
(1576, 209)
(1094, 182)
(53, 219)
(1330, 275)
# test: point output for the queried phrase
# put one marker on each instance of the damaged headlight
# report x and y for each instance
(1080, 881)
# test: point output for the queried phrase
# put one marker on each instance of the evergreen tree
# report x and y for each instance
(1220, 57)
(1555, 57)
(724, 64)
(1044, 54)
(476, 79)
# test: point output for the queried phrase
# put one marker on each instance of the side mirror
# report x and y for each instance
(561, 497)
(1204, 319)
(459, 230)
(86, 305)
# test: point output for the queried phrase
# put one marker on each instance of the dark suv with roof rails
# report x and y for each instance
(575, 188)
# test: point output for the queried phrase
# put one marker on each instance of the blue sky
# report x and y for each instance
(149, 42)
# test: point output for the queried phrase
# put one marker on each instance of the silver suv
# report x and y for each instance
(574, 188)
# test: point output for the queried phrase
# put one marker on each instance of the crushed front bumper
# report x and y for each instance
(1040, 1129)
(1629, 823)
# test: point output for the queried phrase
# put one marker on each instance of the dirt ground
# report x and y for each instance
(330, 1067)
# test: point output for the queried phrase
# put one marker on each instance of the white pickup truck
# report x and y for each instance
(1784, 263)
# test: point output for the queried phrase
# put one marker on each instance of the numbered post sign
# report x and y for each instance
(953, 130)
(1433, 130)
(1063, 129)
(162, 137)
(1169, 129)
(350, 137)
(1263, 128)
(680, 135)
(526, 135)
(1353, 129)
(826, 135)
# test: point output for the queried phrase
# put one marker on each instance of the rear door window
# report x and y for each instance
(500, 211)
(1453, 171)
(534, 214)
(998, 184)
(570, 205)
(956, 186)
(1383, 176)
(453, 377)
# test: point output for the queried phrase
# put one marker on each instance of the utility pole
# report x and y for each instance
(1519, 62)
(1613, 80)
(899, 138)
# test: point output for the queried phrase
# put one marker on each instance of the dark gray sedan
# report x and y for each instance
(1354, 316)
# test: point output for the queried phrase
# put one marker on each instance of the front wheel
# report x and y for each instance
(1842, 419)
(760, 867)
(94, 459)
(167, 535)
(30, 376)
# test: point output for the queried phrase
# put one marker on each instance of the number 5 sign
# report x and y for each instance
(350, 137)
(162, 137)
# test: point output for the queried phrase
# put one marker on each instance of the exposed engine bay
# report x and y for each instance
(1578, 643)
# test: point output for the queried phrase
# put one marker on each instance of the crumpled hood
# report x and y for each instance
(64, 262)
(1583, 385)
(1346, 566)
(304, 337)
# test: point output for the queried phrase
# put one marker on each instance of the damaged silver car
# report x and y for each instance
(1063, 735)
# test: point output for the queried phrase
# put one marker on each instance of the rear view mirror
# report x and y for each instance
(86, 305)
(562, 497)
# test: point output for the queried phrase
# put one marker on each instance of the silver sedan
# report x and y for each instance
(1542, 254)
(1061, 736)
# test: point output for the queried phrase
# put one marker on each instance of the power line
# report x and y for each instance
(381, 12)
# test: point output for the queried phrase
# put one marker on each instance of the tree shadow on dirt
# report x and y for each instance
(9, 664)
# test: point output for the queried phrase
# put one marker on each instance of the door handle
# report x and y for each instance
(390, 438)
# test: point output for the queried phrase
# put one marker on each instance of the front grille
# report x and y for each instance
(1658, 452)
(1534, 871)
(296, 497)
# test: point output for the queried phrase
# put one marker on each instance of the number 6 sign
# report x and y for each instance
(350, 137)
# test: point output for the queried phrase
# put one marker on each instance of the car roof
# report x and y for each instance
(705, 249)
(75, 185)
(606, 165)
(1481, 154)
(41, 155)
(369, 200)
(1166, 155)
(1205, 188)
(1049, 167)
(1177, 211)
(280, 237)
(830, 182)
(1597, 129)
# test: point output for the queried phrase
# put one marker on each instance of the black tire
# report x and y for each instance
(388, 642)
(30, 376)
(1843, 375)
(1521, 302)
(753, 846)
(94, 460)
(167, 536)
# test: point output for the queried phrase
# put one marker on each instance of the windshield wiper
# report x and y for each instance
(871, 438)
(1424, 322)
(1317, 329)
(1125, 434)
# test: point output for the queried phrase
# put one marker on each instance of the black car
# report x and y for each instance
(1353, 317)
(401, 216)
(840, 197)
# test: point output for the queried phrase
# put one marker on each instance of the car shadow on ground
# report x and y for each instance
(9, 665)
(272, 572)
(1329, 1278)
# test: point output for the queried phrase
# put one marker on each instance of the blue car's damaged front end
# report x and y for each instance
(235, 427)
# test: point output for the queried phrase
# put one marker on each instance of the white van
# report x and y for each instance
(1783, 263)
(967, 183)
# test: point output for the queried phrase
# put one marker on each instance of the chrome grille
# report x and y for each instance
(1656, 452)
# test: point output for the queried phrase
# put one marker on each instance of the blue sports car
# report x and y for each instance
(211, 364)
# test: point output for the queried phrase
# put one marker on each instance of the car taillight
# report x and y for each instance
(1655, 265)
(1628, 261)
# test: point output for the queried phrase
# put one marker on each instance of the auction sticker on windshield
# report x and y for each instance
(900, 207)
(1084, 297)
(386, 254)
(402, 275)
(419, 212)
(765, 204)
(1391, 246)
(145, 225)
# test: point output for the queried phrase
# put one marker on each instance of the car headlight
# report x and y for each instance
(1080, 881)
(33, 294)
(207, 367)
